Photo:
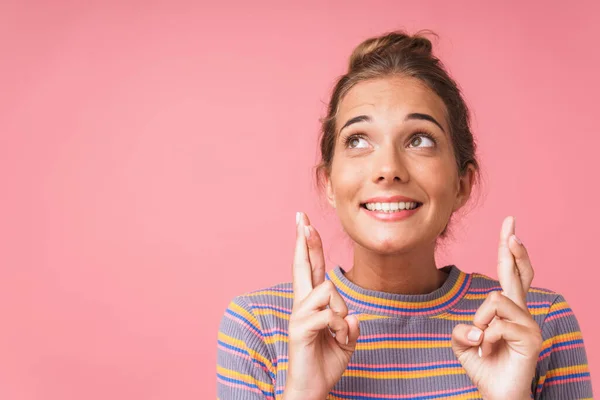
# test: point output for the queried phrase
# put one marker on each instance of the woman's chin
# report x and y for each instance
(386, 245)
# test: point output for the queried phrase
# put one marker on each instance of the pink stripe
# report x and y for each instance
(407, 335)
(244, 324)
(271, 306)
(274, 330)
(552, 383)
(406, 396)
(431, 364)
(284, 290)
(246, 388)
(557, 316)
(243, 356)
(412, 312)
(571, 346)
(484, 290)
(529, 303)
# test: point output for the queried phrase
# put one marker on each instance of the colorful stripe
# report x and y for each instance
(405, 347)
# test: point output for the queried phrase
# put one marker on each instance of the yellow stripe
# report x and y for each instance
(278, 314)
(271, 293)
(540, 290)
(467, 396)
(378, 345)
(403, 345)
(245, 378)
(250, 317)
(405, 374)
(481, 276)
(395, 303)
(571, 369)
(242, 345)
(454, 317)
(565, 337)
(286, 317)
(559, 306)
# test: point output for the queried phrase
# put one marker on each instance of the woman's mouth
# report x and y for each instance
(391, 211)
(391, 207)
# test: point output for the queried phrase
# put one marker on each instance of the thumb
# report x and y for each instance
(465, 341)
(353, 331)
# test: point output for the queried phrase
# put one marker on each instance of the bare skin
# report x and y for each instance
(400, 146)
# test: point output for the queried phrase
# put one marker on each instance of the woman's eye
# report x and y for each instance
(356, 142)
(420, 138)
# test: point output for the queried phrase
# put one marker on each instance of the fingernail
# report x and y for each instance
(474, 335)
(479, 351)
(307, 232)
(517, 239)
(297, 217)
(347, 337)
(330, 331)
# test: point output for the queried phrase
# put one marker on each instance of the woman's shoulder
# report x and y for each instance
(547, 306)
(272, 301)
(482, 283)
(544, 304)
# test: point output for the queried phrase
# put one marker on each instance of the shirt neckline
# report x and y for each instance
(373, 302)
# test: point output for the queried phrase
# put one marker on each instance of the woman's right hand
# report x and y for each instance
(316, 359)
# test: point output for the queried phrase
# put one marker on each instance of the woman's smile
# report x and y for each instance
(390, 209)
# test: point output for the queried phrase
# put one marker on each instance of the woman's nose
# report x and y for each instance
(389, 167)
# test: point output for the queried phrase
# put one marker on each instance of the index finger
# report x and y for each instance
(301, 270)
(508, 273)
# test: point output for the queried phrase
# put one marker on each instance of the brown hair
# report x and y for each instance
(398, 53)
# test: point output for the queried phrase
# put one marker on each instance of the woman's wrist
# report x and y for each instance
(291, 395)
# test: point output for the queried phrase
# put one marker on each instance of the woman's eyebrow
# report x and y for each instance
(425, 117)
(355, 120)
(366, 118)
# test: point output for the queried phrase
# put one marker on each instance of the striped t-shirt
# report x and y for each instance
(403, 351)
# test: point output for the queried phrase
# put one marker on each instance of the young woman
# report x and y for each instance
(398, 160)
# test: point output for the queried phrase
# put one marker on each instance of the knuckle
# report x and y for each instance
(330, 314)
(537, 344)
(344, 309)
(495, 297)
(328, 286)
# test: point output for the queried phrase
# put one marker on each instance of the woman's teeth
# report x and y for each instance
(391, 207)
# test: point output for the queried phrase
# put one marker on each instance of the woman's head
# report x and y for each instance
(397, 125)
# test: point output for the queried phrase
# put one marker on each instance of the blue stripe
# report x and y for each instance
(250, 385)
(276, 332)
(557, 312)
(403, 339)
(266, 307)
(390, 369)
(561, 344)
(377, 397)
(560, 378)
(238, 350)
(228, 311)
(420, 309)
(470, 312)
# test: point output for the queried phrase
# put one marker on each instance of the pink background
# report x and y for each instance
(153, 154)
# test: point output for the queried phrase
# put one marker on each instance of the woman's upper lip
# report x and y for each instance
(390, 199)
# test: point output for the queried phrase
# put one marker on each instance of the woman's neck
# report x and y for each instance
(408, 273)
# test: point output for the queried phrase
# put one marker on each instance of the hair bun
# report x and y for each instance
(398, 41)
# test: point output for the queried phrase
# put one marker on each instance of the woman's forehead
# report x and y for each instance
(395, 94)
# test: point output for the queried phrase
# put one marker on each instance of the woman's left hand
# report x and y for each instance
(510, 340)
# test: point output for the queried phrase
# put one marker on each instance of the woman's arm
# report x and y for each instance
(244, 367)
(563, 366)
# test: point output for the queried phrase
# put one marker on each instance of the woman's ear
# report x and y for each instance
(329, 190)
(465, 186)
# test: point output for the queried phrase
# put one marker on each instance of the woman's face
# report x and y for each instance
(393, 140)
